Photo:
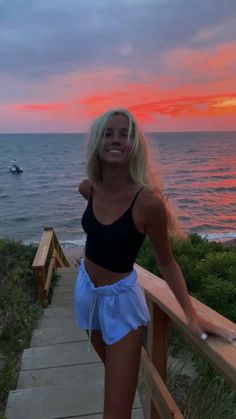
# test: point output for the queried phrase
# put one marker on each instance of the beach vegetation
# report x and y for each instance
(19, 311)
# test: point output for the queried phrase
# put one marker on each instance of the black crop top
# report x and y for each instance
(113, 246)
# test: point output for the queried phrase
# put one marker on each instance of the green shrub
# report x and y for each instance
(19, 309)
(208, 268)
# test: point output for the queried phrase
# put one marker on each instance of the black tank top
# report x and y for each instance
(113, 246)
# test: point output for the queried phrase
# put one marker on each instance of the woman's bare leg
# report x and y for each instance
(98, 344)
(121, 375)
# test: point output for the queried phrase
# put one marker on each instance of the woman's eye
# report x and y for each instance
(107, 134)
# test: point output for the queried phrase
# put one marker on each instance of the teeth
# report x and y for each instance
(114, 151)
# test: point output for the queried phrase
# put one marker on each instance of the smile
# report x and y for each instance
(115, 151)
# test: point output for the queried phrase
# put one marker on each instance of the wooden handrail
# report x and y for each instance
(49, 246)
(43, 248)
(166, 311)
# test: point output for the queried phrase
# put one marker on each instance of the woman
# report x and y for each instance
(124, 205)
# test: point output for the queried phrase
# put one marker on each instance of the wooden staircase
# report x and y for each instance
(59, 378)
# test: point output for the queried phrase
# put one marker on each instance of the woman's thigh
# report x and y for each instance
(98, 344)
(121, 374)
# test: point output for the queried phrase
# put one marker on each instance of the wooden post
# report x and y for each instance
(160, 341)
(157, 348)
(147, 400)
(40, 276)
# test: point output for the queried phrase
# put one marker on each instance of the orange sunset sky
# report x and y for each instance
(171, 62)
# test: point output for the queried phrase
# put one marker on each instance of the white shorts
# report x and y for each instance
(114, 309)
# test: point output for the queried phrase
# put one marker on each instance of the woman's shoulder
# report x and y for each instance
(85, 188)
(151, 202)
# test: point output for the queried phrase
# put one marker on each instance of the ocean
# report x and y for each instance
(198, 173)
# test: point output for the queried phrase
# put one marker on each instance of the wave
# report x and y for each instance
(219, 236)
(67, 244)
(221, 189)
(187, 201)
(217, 169)
(30, 242)
(223, 177)
(22, 219)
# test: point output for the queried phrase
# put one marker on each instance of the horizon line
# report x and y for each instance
(84, 133)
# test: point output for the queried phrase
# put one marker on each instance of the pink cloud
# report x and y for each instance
(40, 107)
(220, 61)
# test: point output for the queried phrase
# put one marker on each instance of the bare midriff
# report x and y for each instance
(101, 276)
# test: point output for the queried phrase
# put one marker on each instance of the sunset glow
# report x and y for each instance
(183, 82)
(230, 103)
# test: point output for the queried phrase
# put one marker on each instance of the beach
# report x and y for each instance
(74, 254)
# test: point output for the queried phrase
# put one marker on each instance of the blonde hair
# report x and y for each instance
(140, 168)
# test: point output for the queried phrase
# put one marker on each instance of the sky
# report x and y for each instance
(170, 62)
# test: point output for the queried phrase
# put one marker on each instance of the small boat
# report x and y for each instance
(14, 167)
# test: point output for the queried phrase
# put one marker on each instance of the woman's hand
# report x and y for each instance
(202, 327)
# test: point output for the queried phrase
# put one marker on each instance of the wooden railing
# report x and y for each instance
(165, 312)
(49, 256)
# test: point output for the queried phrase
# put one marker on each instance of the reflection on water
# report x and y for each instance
(198, 172)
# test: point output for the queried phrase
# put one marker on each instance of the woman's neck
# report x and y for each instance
(115, 177)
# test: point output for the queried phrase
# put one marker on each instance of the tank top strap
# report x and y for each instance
(135, 197)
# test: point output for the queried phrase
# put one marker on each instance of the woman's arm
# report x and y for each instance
(84, 188)
(156, 228)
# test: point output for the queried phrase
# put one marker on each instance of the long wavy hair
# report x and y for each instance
(140, 167)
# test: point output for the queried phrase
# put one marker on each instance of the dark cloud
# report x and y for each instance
(39, 38)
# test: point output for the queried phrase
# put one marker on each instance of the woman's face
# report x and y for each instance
(115, 147)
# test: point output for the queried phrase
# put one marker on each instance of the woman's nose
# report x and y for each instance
(116, 138)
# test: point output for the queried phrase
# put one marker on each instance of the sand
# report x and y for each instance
(74, 254)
